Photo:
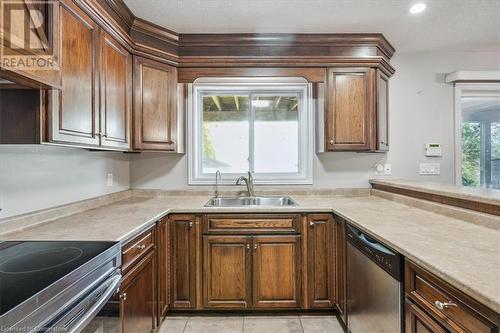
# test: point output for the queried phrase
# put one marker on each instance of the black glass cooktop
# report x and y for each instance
(27, 268)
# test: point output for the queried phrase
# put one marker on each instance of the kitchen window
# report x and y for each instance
(478, 135)
(258, 125)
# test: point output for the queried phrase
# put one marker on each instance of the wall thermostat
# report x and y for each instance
(433, 150)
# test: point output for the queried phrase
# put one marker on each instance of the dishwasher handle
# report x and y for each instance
(386, 258)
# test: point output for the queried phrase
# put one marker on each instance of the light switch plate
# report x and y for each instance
(430, 168)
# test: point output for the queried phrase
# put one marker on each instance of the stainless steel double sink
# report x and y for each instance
(251, 201)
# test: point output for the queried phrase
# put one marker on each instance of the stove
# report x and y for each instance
(47, 285)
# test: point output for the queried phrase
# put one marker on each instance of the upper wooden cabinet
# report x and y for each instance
(155, 106)
(74, 109)
(93, 106)
(116, 93)
(356, 112)
(42, 20)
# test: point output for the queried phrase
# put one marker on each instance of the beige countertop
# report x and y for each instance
(465, 254)
(484, 195)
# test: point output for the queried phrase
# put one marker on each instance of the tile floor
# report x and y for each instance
(251, 324)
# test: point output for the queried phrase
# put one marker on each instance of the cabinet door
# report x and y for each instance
(350, 109)
(276, 272)
(137, 297)
(74, 108)
(417, 321)
(155, 105)
(163, 267)
(321, 260)
(227, 272)
(184, 236)
(340, 268)
(382, 111)
(116, 93)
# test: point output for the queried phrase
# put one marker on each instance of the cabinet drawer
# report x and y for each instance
(462, 315)
(136, 249)
(251, 224)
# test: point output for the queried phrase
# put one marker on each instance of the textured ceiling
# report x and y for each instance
(446, 25)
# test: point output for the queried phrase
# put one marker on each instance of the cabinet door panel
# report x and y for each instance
(155, 107)
(74, 108)
(417, 321)
(321, 261)
(138, 298)
(276, 267)
(183, 236)
(227, 265)
(340, 268)
(350, 109)
(116, 94)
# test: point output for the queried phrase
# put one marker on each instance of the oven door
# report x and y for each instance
(95, 312)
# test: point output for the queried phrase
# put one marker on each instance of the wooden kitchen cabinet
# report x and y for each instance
(382, 111)
(321, 262)
(417, 321)
(155, 106)
(74, 109)
(115, 93)
(137, 297)
(185, 252)
(277, 273)
(341, 269)
(227, 272)
(163, 264)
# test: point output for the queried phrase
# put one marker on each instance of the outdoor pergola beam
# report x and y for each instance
(237, 102)
(217, 102)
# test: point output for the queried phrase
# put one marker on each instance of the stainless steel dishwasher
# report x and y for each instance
(374, 285)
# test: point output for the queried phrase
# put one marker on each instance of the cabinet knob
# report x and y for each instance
(311, 224)
(191, 224)
(255, 246)
(248, 246)
(331, 142)
(141, 247)
(123, 296)
(444, 305)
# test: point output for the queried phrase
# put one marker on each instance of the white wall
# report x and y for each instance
(37, 177)
(421, 111)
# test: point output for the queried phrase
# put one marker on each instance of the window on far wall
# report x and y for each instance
(479, 134)
(258, 125)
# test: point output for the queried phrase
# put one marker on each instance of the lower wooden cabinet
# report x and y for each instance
(276, 269)
(417, 321)
(341, 269)
(227, 278)
(185, 252)
(137, 297)
(163, 264)
(321, 262)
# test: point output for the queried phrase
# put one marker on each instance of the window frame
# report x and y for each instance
(251, 86)
(467, 90)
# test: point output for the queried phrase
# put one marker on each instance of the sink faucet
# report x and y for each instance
(248, 181)
(217, 178)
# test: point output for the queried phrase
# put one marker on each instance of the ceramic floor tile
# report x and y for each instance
(272, 325)
(320, 324)
(173, 325)
(214, 325)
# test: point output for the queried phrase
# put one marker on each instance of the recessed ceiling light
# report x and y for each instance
(417, 8)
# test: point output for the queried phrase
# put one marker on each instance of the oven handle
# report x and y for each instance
(78, 324)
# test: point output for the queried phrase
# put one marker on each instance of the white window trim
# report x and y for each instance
(464, 90)
(305, 175)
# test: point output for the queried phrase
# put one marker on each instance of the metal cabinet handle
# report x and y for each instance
(141, 247)
(311, 224)
(191, 224)
(331, 142)
(444, 305)
(255, 246)
(248, 246)
(123, 296)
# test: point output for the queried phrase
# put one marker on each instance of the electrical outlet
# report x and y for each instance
(110, 179)
(430, 168)
(379, 169)
(387, 169)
